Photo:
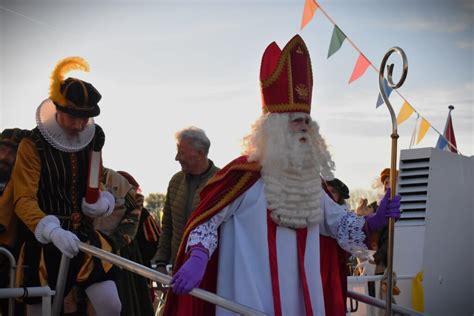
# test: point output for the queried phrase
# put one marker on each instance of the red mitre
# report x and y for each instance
(286, 78)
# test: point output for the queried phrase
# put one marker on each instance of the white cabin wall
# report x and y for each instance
(437, 238)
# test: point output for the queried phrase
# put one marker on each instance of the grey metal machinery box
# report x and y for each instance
(435, 231)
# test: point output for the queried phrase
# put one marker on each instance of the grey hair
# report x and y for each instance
(197, 137)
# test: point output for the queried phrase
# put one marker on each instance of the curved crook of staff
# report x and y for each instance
(393, 162)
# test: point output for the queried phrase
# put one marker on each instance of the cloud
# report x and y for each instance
(453, 24)
(468, 4)
(462, 97)
(434, 107)
(356, 118)
(438, 17)
(469, 44)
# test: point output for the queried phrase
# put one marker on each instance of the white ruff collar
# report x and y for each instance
(55, 135)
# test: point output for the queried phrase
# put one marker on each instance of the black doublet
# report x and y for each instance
(61, 187)
(63, 177)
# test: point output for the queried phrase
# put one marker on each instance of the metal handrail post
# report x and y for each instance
(11, 258)
(166, 279)
(46, 306)
(60, 285)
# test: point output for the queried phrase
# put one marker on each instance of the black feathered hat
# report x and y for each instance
(340, 187)
(12, 136)
(74, 96)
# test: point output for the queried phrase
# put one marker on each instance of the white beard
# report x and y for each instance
(293, 184)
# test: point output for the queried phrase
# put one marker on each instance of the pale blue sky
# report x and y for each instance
(164, 65)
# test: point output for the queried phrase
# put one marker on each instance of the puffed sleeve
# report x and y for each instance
(25, 177)
(344, 226)
(206, 235)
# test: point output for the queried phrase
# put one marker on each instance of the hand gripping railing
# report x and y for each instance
(163, 278)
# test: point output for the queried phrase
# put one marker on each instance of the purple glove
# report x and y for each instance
(388, 208)
(190, 274)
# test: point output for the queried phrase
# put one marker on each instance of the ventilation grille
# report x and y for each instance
(413, 188)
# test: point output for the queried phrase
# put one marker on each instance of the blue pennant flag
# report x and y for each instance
(387, 90)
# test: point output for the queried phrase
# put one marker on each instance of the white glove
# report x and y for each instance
(49, 230)
(103, 207)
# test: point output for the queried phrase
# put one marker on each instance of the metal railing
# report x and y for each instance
(369, 300)
(60, 285)
(211, 297)
(44, 291)
(11, 293)
(12, 260)
(165, 279)
(156, 276)
(353, 279)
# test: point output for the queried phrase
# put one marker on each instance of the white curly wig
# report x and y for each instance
(291, 169)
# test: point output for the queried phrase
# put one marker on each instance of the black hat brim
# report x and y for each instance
(82, 113)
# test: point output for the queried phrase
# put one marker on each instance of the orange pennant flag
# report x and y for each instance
(360, 67)
(310, 7)
(424, 126)
(405, 112)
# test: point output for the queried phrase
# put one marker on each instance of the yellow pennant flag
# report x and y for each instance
(405, 112)
(310, 7)
(417, 299)
(424, 126)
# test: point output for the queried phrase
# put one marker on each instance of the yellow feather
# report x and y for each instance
(57, 77)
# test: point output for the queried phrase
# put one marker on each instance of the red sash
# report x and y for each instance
(333, 273)
(301, 235)
(227, 185)
(222, 189)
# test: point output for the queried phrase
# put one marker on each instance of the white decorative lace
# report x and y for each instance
(54, 134)
(205, 235)
(350, 235)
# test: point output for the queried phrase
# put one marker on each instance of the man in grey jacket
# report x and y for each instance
(183, 191)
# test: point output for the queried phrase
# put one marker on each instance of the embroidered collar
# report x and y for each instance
(55, 135)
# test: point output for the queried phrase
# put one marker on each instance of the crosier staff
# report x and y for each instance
(393, 163)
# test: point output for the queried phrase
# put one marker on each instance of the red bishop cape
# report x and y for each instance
(221, 190)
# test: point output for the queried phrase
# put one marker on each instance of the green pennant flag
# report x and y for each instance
(336, 40)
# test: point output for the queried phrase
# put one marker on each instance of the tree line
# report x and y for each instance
(154, 203)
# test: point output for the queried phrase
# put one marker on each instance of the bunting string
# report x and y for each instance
(413, 134)
(347, 37)
(361, 66)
